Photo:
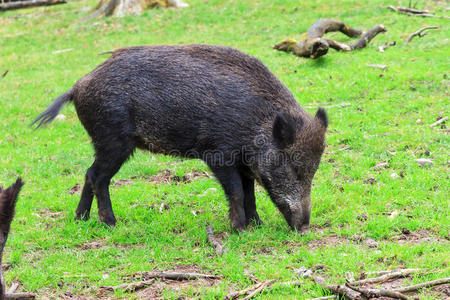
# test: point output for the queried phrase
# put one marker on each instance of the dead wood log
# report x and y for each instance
(120, 8)
(20, 296)
(214, 241)
(29, 3)
(315, 45)
(420, 33)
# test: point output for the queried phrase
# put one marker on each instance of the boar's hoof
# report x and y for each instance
(109, 220)
(82, 216)
(255, 221)
(304, 229)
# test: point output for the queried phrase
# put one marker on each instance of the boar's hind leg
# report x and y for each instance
(251, 215)
(109, 158)
(232, 184)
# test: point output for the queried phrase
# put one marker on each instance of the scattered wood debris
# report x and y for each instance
(315, 46)
(386, 45)
(381, 165)
(29, 3)
(251, 291)
(410, 11)
(420, 33)
(129, 287)
(146, 275)
(215, 241)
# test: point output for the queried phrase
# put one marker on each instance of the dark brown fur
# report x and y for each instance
(198, 101)
(8, 199)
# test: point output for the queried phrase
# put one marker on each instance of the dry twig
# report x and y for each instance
(427, 284)
(442, 120)
(411, 11)
(386, 45)
(251, 291)
(215, 242)
(385, 277)
(130, 287)
(376, 66)
(175, 275)
(420, 33)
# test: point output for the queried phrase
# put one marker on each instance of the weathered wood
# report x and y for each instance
(315, 45)
(420, 33)
(214, 241)
(20, 296)
(29, 3)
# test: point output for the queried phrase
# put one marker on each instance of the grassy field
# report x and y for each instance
(375, 116)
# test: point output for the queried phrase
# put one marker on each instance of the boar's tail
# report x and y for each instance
(52, 111)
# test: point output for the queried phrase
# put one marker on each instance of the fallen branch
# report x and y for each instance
(29, 3)
(420, 33)
(374, 293)
(325, 298)
(442, 120)
(384, 277)
(215, 242)
(20, 296)
(315, 45)
(380, 273)
(130, 287)
(386, 45)
(411, 11)
(427, 284)
(251, 291)
(341, 290)
(175, 275)
(264, 284)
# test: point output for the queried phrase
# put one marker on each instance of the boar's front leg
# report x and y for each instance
(251, 215)
(231, 182)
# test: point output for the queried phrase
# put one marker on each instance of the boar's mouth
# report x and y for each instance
(293, 212)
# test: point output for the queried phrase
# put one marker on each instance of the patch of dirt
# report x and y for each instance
(328, 240)
(167, 176)
(76, 189)
(418, 237)
(100, 244)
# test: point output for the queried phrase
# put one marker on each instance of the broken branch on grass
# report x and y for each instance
(386, 45)
(427, 284)
(341, 290)
(29, 3)
(130, 287)
(442, 120)
(385, 277)
(420, 33)
(411, 11)
(251, 291)
(215, 242)
(374, 293)
(315, 45)
(20, 296)
(4, 73)
(175, 275)
(325, 297)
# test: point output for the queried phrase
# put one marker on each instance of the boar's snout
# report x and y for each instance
(300, 212)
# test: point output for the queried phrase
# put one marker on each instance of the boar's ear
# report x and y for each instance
(321, 116)
(284, 130)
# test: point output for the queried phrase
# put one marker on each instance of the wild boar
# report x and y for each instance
(199, 101)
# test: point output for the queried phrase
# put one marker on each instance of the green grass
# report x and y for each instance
(379, 125)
